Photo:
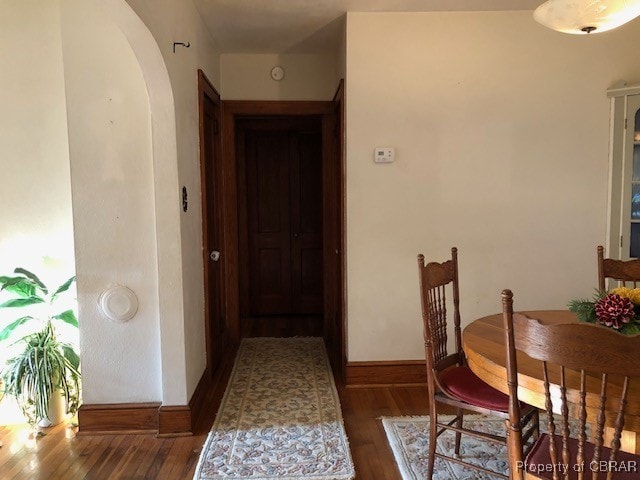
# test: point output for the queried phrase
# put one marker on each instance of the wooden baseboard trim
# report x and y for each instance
(174, 421)
(198, 400)
(384, 373)
(179, 421)
(118, 418)
(147, 418)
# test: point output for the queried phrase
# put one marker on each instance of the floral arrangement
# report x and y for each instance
(618, 309)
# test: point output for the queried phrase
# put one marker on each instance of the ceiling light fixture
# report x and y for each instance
(586, 16)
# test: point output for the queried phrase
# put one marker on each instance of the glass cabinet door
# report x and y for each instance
(634, 243)
(630, 241)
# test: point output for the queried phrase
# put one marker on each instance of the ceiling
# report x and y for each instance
(312, 26)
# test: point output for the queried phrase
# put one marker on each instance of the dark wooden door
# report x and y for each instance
(212, 241)
(334, 327)
(284, 216)
(306, 222)
(269, 222)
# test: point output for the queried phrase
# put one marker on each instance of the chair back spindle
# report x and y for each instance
(625, 272)
(584, 365)
(434, 278)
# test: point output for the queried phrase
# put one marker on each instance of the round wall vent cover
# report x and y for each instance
(118, 303)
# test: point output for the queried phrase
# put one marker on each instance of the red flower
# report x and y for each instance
(613, 310)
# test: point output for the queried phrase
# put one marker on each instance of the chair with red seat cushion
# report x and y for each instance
(449, 380)
(462, 383)
(588, 372)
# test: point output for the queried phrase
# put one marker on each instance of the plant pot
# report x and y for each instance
(57, 410)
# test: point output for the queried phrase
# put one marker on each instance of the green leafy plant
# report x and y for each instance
(45, 365)
(585, 309)
(29, 290)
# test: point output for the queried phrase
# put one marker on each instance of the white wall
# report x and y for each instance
(341, 54)
(501, 134)
(501, 131)
(167, 81)
(171, 21)
(36, 228)
(307, 77)
(112, 184)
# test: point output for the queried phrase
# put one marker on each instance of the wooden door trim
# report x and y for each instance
(206, 89)
(233, 110)
(270, 108)
(339, 96)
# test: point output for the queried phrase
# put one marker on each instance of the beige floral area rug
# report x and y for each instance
(409, 440)
(280, 417)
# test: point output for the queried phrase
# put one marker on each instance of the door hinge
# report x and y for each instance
(625, 123)
(621, 241)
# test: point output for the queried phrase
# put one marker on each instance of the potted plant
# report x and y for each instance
(46, 369)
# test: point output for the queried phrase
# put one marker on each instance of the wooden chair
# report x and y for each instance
(587, 371)
(627, 273)
(449, 380)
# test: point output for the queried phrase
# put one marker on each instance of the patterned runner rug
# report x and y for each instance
(409, 440)
(280, 417)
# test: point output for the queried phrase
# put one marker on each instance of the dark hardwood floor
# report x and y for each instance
(61, 454)
(283, 326)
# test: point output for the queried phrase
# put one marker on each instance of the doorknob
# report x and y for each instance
(214, 255)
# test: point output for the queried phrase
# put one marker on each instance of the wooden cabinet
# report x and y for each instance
(624, 205)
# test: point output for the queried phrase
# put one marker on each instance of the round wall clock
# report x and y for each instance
(277, 73)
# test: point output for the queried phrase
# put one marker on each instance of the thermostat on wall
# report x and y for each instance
(384, 154)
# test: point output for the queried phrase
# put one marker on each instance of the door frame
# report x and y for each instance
(233, 110)
(207, 90)
(340, 288)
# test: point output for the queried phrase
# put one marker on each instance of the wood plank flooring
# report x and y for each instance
(61, 455)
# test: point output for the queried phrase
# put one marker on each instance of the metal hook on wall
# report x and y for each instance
(185, 45)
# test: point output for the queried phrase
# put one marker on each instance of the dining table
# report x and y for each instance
(484, 345)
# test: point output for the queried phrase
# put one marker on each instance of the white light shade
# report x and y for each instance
(583, 16)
